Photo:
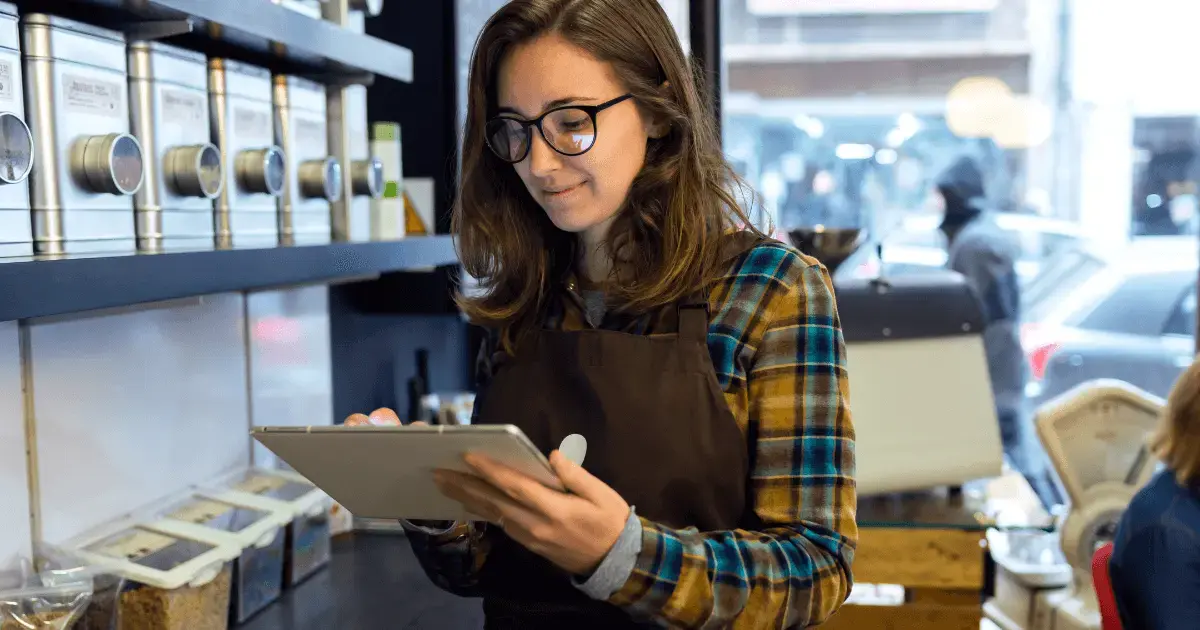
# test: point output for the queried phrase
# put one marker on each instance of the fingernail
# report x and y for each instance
(379, 422)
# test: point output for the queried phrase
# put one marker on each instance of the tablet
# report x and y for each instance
(385, 472)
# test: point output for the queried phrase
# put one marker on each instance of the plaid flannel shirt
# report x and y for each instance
(776, 344)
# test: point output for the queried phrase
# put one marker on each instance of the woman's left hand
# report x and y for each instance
(574, 531)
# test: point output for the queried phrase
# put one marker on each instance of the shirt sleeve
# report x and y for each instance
(795, 571)
(452, 559)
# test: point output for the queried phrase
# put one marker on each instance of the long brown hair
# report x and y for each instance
(1177, 441)
(665, 239)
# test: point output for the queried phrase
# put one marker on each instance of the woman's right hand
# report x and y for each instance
(380, 417)
(386, 417)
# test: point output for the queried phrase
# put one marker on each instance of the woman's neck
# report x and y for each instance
(594, 266)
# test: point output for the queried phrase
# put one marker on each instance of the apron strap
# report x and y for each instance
(692, 313)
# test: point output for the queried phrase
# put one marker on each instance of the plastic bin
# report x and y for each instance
(257, 529)
(59, 566)
(308, 537)
(176, 576)
(33, 601)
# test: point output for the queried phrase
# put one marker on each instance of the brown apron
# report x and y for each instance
(658, 431)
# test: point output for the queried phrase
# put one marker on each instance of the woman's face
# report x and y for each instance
(582, 193)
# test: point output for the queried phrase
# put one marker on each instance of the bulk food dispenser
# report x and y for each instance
(88, 165)
(314, 179)
(349, 134)
(16, 142)
(308, 537)
(168, 89)
(177, 575)
(243, 127)
(916, 427)
(256, 530)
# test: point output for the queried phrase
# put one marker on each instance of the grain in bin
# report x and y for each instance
(308, 536)
(176, 576)
(257, 529)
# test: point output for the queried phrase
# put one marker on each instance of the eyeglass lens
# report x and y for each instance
(570, 131)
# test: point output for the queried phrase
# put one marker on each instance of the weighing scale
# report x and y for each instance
(1095, 435)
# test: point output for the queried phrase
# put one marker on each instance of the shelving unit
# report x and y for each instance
(257, 31)
(254, 30)
(40, 288)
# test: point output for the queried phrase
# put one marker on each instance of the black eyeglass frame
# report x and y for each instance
(591, 110)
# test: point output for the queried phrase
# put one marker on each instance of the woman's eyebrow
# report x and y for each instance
(558, 102)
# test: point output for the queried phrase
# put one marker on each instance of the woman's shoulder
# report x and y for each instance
(762, 259)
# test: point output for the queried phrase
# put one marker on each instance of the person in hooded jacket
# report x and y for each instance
(986, 256)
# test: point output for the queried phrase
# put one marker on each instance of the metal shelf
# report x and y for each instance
(258, 29)
(41, 288)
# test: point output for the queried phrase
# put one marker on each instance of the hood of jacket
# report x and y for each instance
(962, 188)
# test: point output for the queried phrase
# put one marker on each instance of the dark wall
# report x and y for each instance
(426, 108)
(377, 326)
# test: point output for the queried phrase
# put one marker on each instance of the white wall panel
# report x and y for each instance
(290, 366)
(136, 406)
(14, 486)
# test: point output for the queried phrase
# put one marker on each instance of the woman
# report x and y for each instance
(1155, 563)
(704, 367)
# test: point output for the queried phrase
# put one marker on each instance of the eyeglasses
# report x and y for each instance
(569, 130)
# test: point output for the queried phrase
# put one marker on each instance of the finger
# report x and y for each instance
(418, 423)
(517, 486)
(480, 497)
(578, 480)
(384, 416)
(357, 420)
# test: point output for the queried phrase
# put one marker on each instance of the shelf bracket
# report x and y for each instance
(159, 29)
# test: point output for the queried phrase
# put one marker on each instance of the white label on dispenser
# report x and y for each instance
(93, 96)
(201, 512)
(6, 81)
(252, 121)
(134, 544)
(310, 132)
(181, 107)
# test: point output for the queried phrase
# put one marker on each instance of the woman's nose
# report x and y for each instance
(543, 159)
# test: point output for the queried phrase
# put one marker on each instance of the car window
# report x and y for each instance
(1141, 304)
(1059, 275)
(1183, 319)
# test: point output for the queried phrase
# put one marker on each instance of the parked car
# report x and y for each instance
(1128, 314)
(917, 245)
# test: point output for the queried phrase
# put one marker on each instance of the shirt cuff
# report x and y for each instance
(432, 528)
(617, 566)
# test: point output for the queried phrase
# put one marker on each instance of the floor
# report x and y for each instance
(373, 582)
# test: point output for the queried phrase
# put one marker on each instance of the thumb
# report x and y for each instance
(578, 480)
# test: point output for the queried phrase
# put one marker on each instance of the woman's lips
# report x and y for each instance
(563, 192)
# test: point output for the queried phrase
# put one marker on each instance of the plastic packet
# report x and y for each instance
(103, 610)
(37, 601)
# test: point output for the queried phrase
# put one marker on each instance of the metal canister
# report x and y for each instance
(243, 128)
(168, 89)
(16, 142)
(89, 166)
(314, 177)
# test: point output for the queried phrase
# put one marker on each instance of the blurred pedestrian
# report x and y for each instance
(986, 256)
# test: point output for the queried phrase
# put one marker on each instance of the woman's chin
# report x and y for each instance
(572, 224)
